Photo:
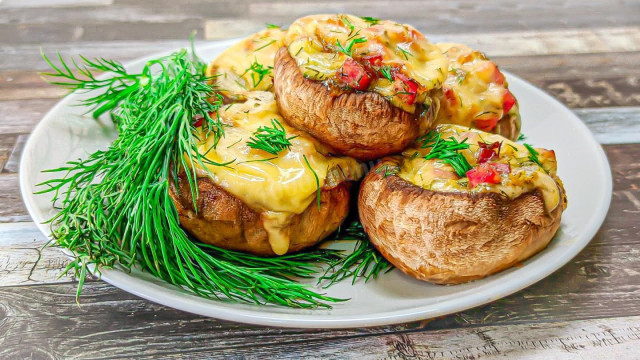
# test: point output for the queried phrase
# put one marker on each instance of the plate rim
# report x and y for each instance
(259, 315)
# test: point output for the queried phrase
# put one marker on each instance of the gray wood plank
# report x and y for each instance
(12, 209)
(21, 116)
(463, 16)
(612, 125)
(77, 31)
(25, 260)
(7, 143)
(73, 23)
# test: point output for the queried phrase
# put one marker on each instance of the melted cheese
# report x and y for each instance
(473, 90)
(312, 43)
(276, 186)
(524, 177)
(233, 68)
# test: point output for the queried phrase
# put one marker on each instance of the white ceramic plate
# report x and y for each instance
(63, 134)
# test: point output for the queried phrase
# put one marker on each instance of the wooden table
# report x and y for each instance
(585, 54)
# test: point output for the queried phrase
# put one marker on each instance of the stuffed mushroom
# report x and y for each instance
(247, 66)
(366, 87)
(265, 187)
(462, 204)
(476, 94)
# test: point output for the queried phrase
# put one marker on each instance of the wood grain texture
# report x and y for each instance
(24, 260)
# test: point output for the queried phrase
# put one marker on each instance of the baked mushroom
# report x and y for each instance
(462, 204)
(247, 65)
(364, 86)
(265, 187)
(476, 94)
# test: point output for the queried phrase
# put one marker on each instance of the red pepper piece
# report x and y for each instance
(483, 174)
(353, 74)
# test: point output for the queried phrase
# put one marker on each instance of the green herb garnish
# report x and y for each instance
(272, 26)
(521, 137)
(258, 72)
(315, 175)
(460, 75)
(114, 206)
(386, 72)
(348, 50)
(447, 150)
(388, 170)
(348, 24)
(533, 155)
(264, 46)
(405, 53)
(271, 139)
(364, 262)
(370, 20)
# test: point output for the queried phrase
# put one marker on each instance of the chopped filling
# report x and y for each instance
(453, 158)
(475, 93)
(349, 53)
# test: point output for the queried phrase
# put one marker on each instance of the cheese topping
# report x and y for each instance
(523, 174)
(247, 65)
(475, 92)
(321, 44)
(278, 186)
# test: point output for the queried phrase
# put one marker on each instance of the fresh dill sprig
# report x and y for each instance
(272, 26)
(388, 170)
(521, 137)
(364, 262)
(460, 75)
(386, 72)
(533, 155)
(264, 46)
(315, 175)
(447, 150)
(345, 20)
(117, 87)
(404, 52)
(115, 209)
(348, 50)
(370, 20)
(271, 139)
(258, 72)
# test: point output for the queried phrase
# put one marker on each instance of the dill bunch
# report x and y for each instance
(364, 261)
(447, 150)
(114, 206)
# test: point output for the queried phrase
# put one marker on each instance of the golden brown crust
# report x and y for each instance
(450, 238)
(361, 125)
(224, 220)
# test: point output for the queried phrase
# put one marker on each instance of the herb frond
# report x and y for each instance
(447, 150)
(404, 52)
(386, 72)
(272, 26)
(460, 74)
(345, 20)
(114, 206)
(533, 155)
(82, 79)
(348, 49)
(388, 170)
(364, 262)
(271, 139)
(521, 137)
(264, 46)
(315, 175)
(258, 72)
(370, 20)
